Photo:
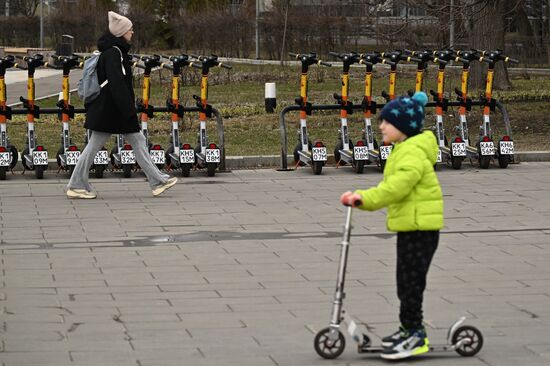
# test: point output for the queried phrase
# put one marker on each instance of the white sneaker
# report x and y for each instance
(80, 193)
(163, 187)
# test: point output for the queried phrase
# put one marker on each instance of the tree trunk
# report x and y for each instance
(487, 33)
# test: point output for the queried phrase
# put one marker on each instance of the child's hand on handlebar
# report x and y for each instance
(351, 199)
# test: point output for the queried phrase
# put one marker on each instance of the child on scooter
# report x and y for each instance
(411, 191)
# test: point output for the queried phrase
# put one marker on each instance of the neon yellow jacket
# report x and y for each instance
(410, 188)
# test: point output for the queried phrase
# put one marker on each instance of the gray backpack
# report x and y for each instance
(89, 87)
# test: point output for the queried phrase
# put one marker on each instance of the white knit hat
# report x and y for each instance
(118, 24)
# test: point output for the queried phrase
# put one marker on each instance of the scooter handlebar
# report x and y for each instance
(335, 54)
(511, 60)
(196, 65)
(324, 63)
(292, 54)
(225, 66)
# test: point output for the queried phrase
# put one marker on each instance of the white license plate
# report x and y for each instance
(72, 157)
(213, 155)
(101, 158)
(458, 148)
(319, 153)
(157, 156)
(187, 156)
(439, 157)
(506, 147)
(40, 158)
(127, 157)
(360, 152)
(385, 151)
(5, 158)
(487, 148)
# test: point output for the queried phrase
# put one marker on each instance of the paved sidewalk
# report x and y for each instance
(239, 269)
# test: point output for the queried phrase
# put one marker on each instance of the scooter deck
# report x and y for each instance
(433, 348)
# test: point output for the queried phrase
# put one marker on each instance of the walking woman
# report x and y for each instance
(114, 112)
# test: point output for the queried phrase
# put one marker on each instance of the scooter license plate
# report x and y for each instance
(187, 156)
(213, 155)
(127, 157)
(506, 147)
(385, 151)
(40, 158)
(72, 157)
(458, 148)
(319, 153)
(360, 152)
(158, 157)
(487, 148)
(101, 158)
(5, 158)
(439, 157)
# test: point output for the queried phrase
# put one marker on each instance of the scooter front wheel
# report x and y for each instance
(326, 347)
(475, 343)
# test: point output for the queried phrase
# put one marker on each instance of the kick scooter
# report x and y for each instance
(392, 58)
(146, 110)
(68, 154)
(441, 103)
(207, 155)
(305, 153)
(368, 142)
(34, 157)
(460, 146)
(486, 149)
(178, 156)
(330, 342)
(8, 152)
(345, 152)
(421, 58)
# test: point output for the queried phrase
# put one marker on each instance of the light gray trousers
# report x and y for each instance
(79, 178)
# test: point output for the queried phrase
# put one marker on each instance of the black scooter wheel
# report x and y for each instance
(186, 170)
(98, 171)
(3, 172)
(469, 348)
(382, 164)
(127, 170)
(484, 161)
(503, 161)
(14, 156)
(359, 166)
(317, 167)
(39, 171)
(456, 162)
(211, 169)
(327, 348)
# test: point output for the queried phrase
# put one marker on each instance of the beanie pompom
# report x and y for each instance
(421, 98)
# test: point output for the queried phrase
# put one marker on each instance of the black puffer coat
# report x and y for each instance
(114, 110)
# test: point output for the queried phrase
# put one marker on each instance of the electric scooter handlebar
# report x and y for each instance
(309, 59)
(6, 62)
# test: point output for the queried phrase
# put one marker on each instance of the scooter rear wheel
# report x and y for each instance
(98, 171)
(127, 170)
(317, 167)
(3, 172)
(503, 161)
(327, 348)
(476, 340)
(186, 169)
(456, 162)
(211, 169)
(484, 161)
(39, 171)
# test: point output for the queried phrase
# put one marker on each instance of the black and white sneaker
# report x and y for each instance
(390, 340)
(416, 343)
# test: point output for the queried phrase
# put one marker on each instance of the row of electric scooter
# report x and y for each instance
(366, 150)
(182, 156)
